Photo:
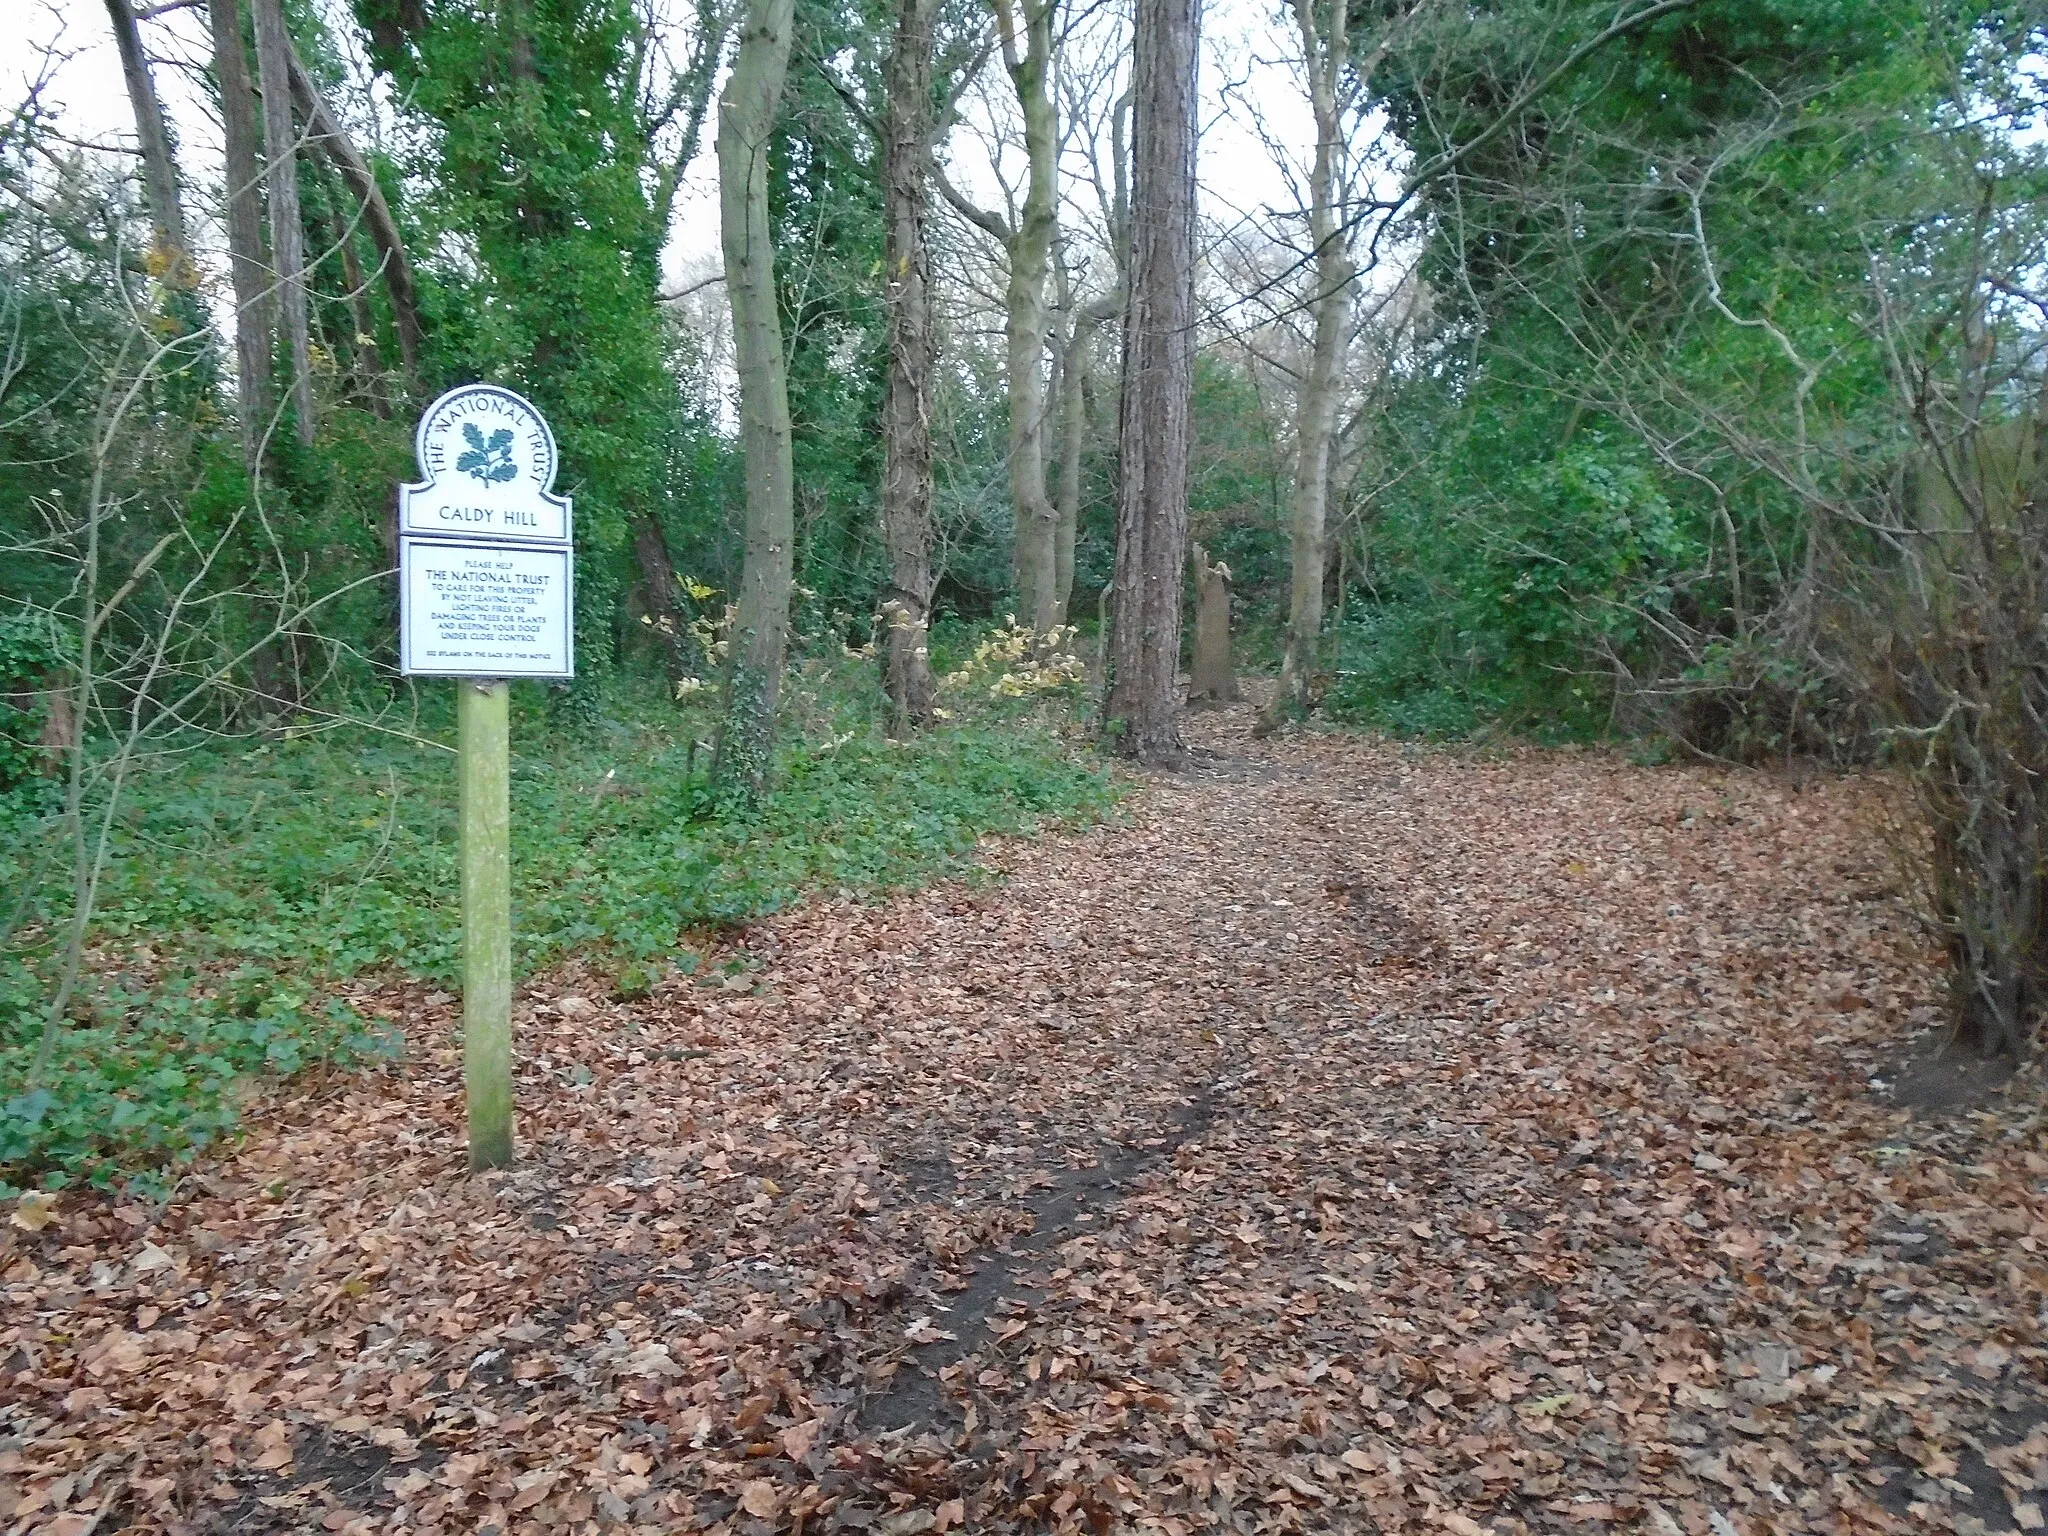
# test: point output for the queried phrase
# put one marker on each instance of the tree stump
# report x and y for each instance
(1213, 678)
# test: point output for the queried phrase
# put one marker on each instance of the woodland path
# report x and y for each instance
(1350, 1139)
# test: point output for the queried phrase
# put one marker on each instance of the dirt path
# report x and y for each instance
(1354, 1139)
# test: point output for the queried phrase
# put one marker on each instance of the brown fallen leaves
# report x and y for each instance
(1354, 1140)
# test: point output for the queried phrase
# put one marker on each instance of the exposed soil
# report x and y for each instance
(1001, 1287)
(1942, 1078)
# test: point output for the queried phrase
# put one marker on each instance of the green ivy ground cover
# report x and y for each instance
(248, 878)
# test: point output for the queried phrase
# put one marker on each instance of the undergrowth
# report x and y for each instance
(1406, 669)
(246, 879)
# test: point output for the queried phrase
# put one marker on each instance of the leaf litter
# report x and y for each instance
(1350, 1139)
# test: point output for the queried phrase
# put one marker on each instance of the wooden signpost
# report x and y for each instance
(486, 585)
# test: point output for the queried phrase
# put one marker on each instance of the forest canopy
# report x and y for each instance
(1638, 311)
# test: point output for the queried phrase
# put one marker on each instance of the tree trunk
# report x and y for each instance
(746, 119)
(59, 736)
(1077, 346)
(365, 383)
(254, 310)
(325, 131)
(906, 408)
(1316, 401)
(1315, 414)
(159, 167)
(1071, 408)
(658, 585)
(1213, 676)
(281, 174)
(1030, 251)
(1071, 401)
(1158, 380)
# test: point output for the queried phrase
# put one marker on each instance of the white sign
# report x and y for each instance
(489, 461)
(483, 610)
(485, 573)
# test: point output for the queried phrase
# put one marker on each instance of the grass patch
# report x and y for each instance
(246, 878)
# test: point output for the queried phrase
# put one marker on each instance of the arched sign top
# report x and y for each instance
(488, 434)
(488, 460)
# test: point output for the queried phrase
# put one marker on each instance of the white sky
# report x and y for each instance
(1244, 74)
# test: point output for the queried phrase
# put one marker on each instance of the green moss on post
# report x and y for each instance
(486, 921)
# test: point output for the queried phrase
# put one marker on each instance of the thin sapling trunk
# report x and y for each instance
(287, 234)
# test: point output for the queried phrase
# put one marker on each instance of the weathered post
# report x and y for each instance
(485, 579)
(481, 715)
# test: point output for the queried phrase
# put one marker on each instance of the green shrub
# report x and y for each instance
(1399, 671)
(1519, 616)
(29, 655)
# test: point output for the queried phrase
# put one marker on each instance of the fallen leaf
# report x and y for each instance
(532, 1487)
(1203, 1184)
(798, 1439)
(652, 1360)
(35, 1210)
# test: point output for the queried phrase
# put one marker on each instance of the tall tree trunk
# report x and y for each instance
(913, 348)
(254, 309)
(1030, 70)
(281, 176)
(159, 166)
(1315, 415)
(326, 133)
(1027, 247)
(1158, 383)
(1071, 404)
(1077, 346)
(746, 119)
(1325, 54)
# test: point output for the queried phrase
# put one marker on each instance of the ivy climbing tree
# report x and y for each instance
(543, 169)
